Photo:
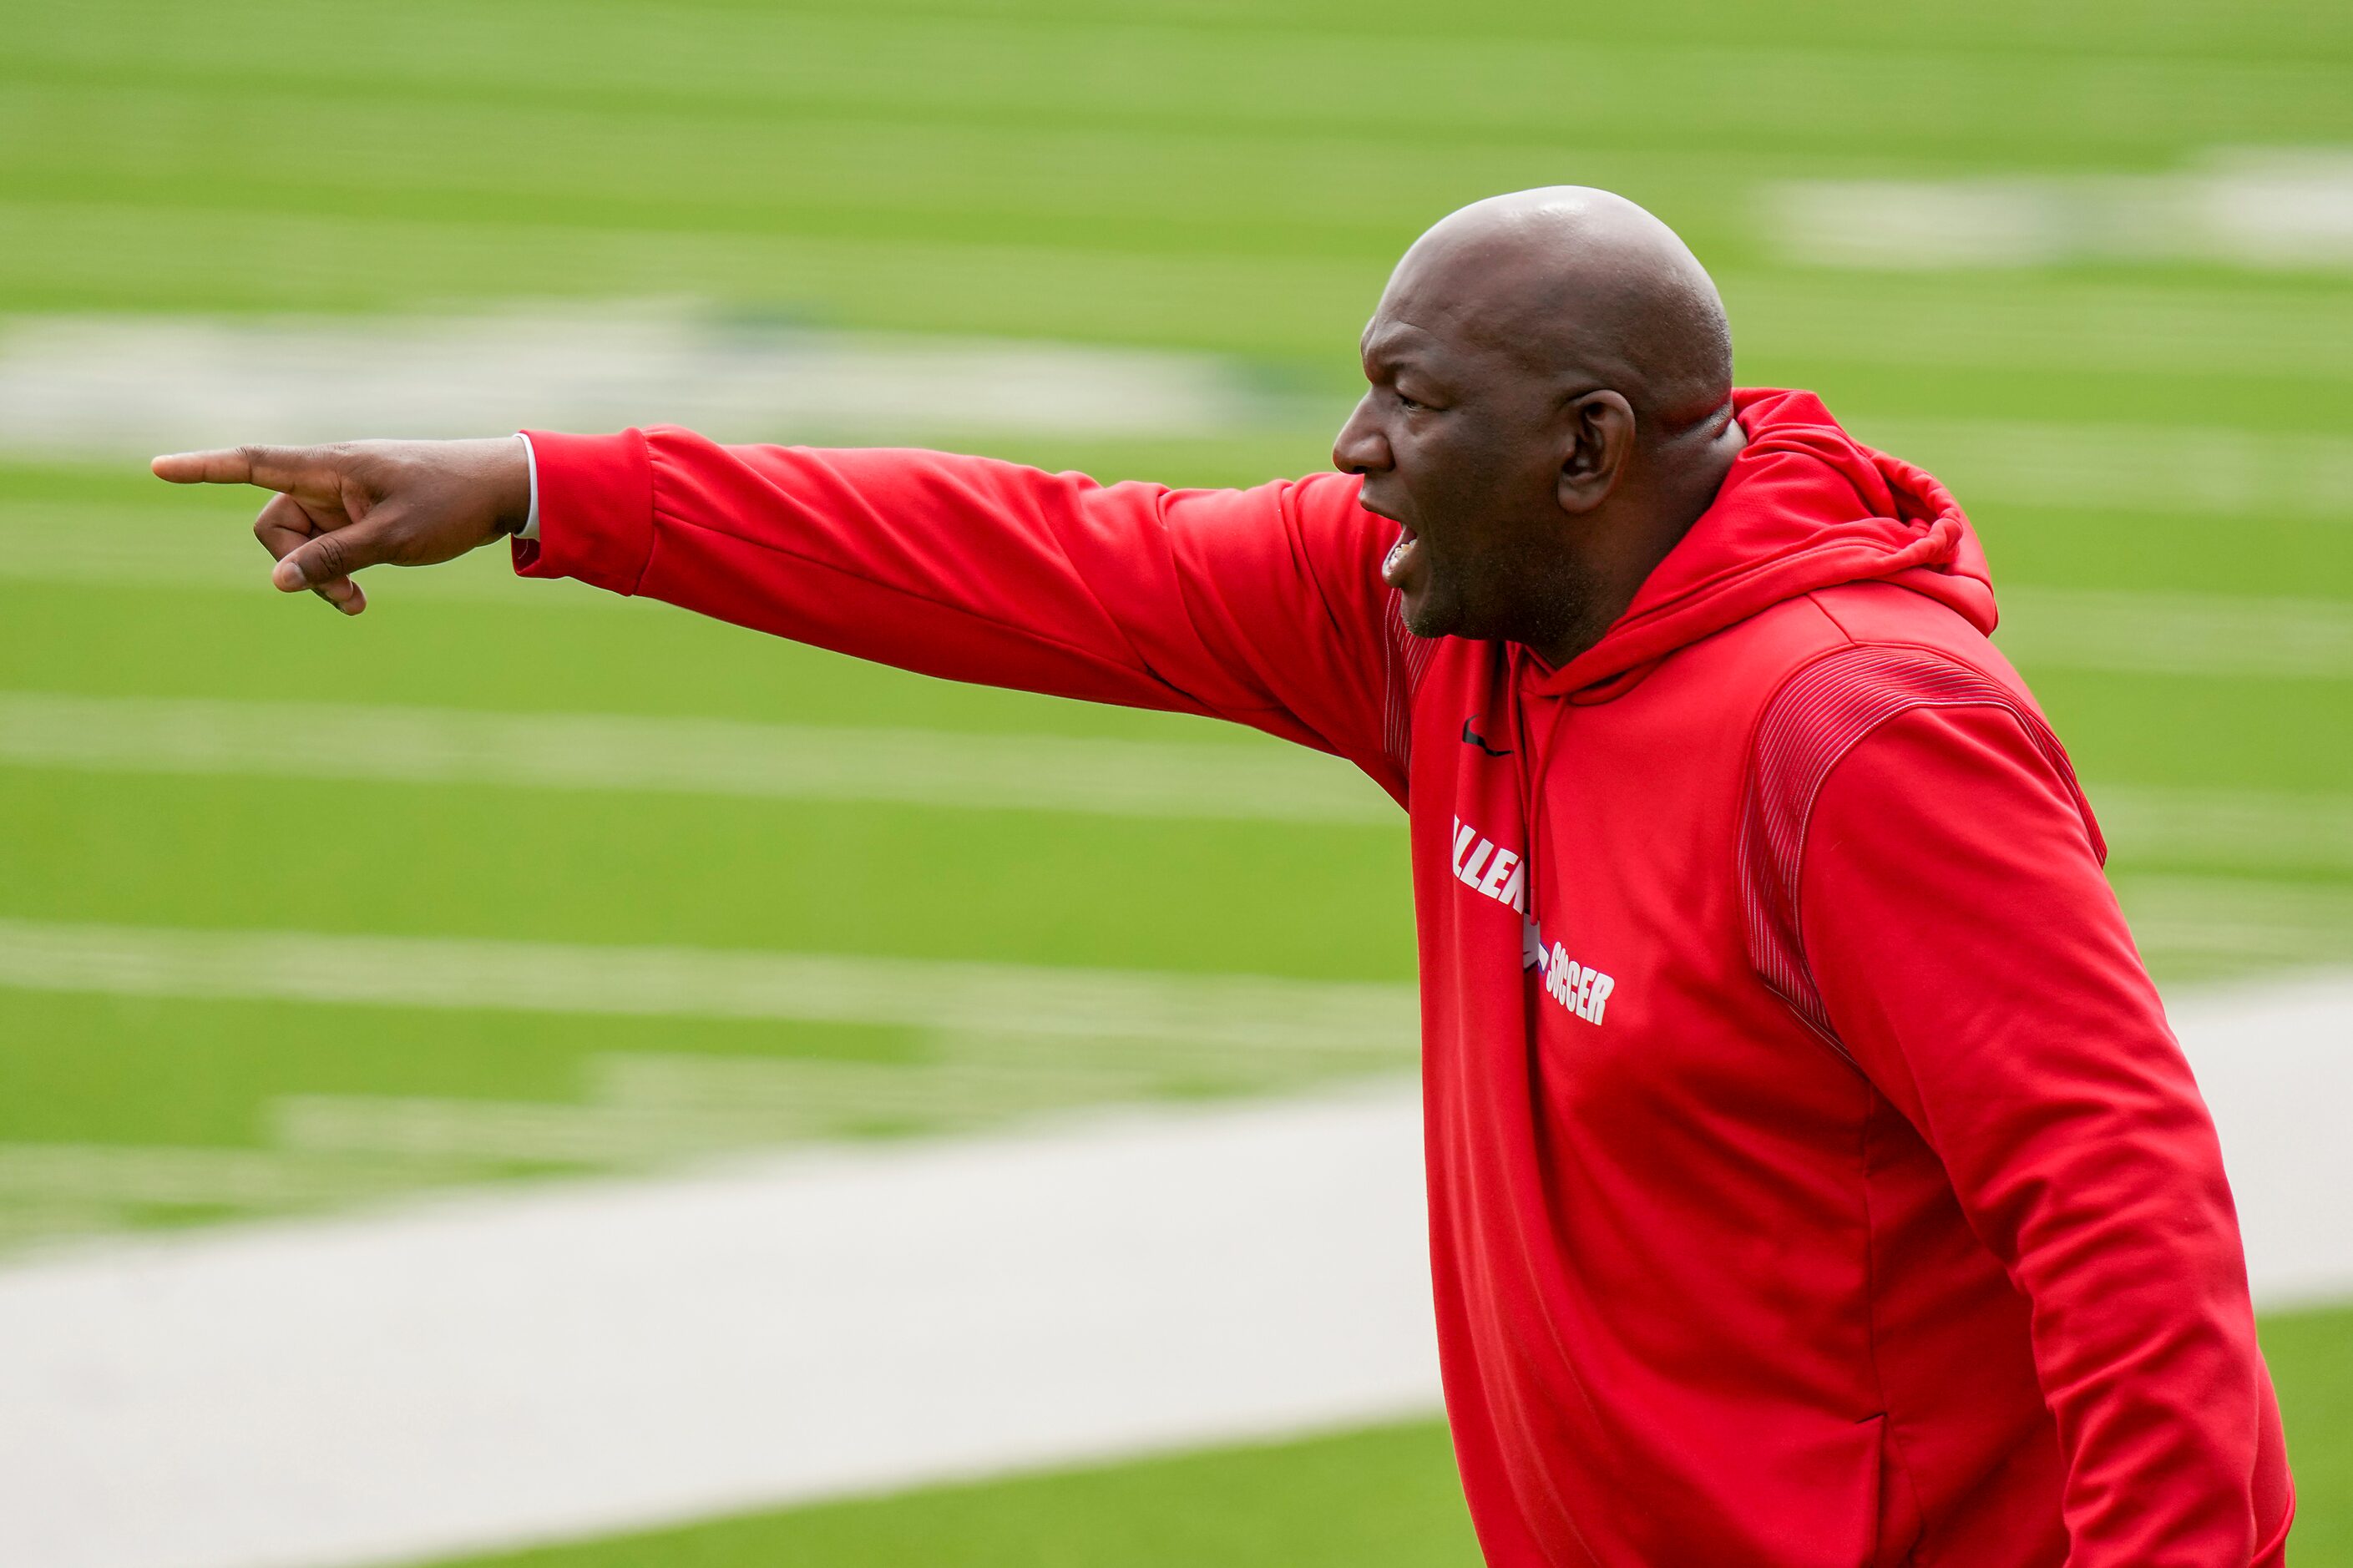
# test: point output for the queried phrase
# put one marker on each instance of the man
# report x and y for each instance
(1812, 1176)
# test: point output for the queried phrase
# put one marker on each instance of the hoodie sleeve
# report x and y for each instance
(1970, 957)
(1262, 605)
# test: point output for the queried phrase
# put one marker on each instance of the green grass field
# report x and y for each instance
(1382, 1498)
(1210, 177)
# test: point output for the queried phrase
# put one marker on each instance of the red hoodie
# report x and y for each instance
(1813, 1179)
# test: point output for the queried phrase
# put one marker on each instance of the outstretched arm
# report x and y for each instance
(1262, 605)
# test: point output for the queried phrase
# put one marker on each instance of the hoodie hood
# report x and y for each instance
(1803, 506)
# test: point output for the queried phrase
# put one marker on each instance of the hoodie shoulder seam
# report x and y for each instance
(1814, 597)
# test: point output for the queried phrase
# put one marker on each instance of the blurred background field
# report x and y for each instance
(2093, 263)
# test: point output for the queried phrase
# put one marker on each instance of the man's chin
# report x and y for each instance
(1425, 613)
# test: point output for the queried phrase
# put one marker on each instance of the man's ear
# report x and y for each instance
(1601, 431)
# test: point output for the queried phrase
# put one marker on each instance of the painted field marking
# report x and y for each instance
(641, 1109)
(638, 1108)
(2252, 207)
(1220, 1010)
(132, 385)
(957, 999)
(118, 1175)
(1264, 782)
(994, 1045)
(81, 542)
(1246, 781)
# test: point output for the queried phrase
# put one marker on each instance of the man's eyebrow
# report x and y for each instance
(1398, 363)
(1385, 353)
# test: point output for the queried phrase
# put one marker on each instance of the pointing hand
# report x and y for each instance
(364, 503)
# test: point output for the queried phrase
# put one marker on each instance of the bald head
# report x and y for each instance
(1582, 285)
(1549, 408)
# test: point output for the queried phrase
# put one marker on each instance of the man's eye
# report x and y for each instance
(1409, 405)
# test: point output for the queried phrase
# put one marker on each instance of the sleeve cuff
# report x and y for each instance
(593, 505)
(529, 529)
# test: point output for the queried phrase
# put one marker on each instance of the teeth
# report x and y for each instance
(1394, 563)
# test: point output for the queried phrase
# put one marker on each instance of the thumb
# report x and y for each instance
(325, 562)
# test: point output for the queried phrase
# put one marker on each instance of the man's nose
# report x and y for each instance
(1360, 447)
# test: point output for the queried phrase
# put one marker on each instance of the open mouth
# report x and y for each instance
(1404, 556)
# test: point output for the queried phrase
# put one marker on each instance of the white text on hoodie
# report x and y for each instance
(1502, 875)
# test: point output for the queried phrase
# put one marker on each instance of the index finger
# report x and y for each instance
(272, 467)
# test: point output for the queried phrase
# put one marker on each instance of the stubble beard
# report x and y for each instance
(1545, 603)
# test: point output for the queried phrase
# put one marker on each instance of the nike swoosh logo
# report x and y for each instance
(1472, 738)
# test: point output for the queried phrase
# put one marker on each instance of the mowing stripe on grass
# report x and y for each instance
(1225, 1010)
(2136, 468)
(2274, 924)
(1945, 322)
(2178, 634)
(2225, 829)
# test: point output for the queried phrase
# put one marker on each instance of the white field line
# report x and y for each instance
(645, 1107)
(1046, 773)
(661, 1106)
(990, 1068)
(85, 543)
(1908, 321)
(699, 756)
(132, 385)
(566, 1361)
(2131, 632)
(1218, 1010)
(2252, 207)
(1000, 1043)
(24, 1221)
(532, 1133)
(641, 1109)
(111, 1176)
